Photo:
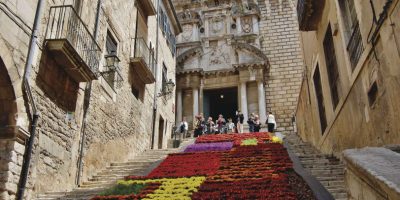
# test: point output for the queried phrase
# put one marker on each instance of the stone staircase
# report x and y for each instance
(140, 165)
(329, 171)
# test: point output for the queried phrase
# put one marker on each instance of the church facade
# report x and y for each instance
(238, 55)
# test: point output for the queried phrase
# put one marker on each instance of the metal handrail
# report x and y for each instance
(65, 23)
(141, 50)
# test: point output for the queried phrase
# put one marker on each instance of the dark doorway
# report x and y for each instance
(160, 132)
(8, 107)
(220, 101)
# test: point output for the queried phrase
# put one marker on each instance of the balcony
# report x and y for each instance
(142, 61)
(71, 44)
(147, 7)
(309, 13)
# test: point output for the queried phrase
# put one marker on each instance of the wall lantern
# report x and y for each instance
(167, 89)
(112, 73)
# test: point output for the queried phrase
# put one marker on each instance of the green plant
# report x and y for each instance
(123, 189)
(248, 142)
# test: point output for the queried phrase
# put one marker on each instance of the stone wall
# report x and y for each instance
(357, 121)
(117, 127)
(281, 44)
(11, 156)
(372, 173)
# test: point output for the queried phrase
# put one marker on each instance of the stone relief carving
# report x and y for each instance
(187, 32)
(218, 56)
(217, 25)
(247, 26)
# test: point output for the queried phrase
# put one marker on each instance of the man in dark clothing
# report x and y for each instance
(251, 123)
(199, 127)
(239, 121)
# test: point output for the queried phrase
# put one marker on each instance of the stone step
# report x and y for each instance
(125, 167)
(105, 182)
(310, 166)
(132, 163)
(319, 172)
(333, 183)
(330, 178)
(106, 177)
(340, 195)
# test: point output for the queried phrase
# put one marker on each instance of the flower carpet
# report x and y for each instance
(225, 166)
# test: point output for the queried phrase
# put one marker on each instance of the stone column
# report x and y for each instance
(243, 94)
(255, 25)
(201, 95)
(178, 106)
(206, 24)
(261, 102)
(195, 102)
(238, 26)
(195, 32)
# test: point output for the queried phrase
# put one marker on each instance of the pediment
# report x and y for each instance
(222, 57)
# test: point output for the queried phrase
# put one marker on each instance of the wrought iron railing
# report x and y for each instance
(141, 50)
(65, 24)
(355, 46)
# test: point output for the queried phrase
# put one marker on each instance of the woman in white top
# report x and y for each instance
(271, 122)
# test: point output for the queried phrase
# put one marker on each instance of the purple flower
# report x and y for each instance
(218, 146)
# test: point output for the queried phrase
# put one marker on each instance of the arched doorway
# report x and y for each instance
(8, 107)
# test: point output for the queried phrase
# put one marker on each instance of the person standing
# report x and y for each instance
(210, 126)
(271, 122)
(257, 124)
(183, 128)
(230, 126)
(251, 123)
(221, 123)
(199, 126)
(239, 121)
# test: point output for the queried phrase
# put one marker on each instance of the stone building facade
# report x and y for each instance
(93, 109)
(350, 92)
(238, 55)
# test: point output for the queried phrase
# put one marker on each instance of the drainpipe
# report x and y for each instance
(86, 102)
(153, 132)
(28, 67)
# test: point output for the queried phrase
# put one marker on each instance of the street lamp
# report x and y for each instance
(112, 62)
(167, 89)
(112, 70)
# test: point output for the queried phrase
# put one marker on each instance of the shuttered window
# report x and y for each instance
(332, 67)
(353, 37)
(320, 99)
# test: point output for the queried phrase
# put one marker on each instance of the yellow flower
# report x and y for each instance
(277, 140)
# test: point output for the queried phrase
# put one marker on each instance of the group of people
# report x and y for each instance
(213, 127)
(201, 126)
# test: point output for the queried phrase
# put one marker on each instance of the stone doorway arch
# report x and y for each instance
(8, 106)
(12, 137)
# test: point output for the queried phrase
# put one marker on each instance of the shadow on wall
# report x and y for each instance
(56, 84)
(8, 106)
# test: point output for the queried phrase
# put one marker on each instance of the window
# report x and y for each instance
(138, 90)
(373, 93)
(138, 87)
(166, 30)
(164, 78)
(352, 35)
(332, 67)
(111, 50)
(320, 99)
